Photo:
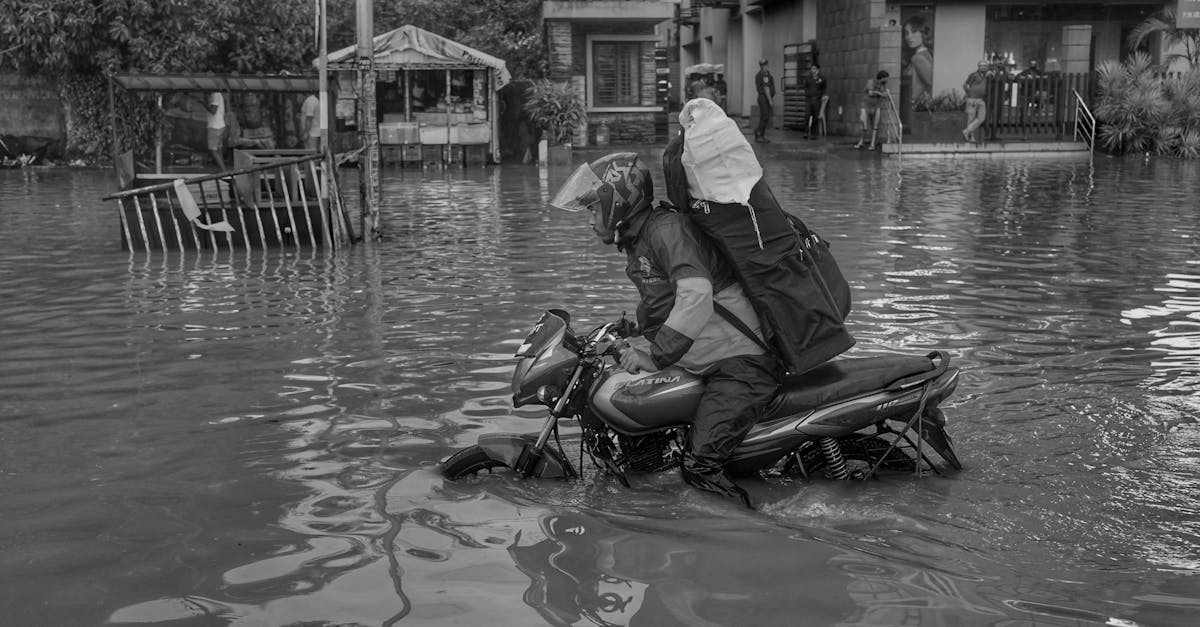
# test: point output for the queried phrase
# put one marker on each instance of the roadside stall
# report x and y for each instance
(435, 99)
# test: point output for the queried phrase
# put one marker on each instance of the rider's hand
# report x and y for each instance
(634, 361)
(626, 328)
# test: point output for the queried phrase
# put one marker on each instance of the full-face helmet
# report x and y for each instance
(614, 188)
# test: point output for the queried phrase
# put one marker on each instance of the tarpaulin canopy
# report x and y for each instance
(216, 82)
(415, 48)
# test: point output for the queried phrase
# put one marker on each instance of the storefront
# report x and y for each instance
(942, 42)
(430, 91)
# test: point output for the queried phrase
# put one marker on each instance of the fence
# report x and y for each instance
(1035, 107)
(286, 202)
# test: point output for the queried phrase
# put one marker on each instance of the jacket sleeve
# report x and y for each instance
(678, 250)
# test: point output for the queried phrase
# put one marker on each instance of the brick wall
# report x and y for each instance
(855, 42)
(558, 50)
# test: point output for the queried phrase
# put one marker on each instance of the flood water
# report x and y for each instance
(250, 438)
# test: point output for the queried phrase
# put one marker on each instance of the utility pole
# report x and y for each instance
(323, 74)
(368, 160)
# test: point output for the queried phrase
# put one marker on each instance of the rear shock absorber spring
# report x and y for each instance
(833, 457)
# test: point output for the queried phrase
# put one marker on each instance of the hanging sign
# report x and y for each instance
(1187, 14)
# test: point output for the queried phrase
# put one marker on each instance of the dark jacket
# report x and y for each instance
(764, 83)
(976, 84)
(680, 275)
(788, 274)
(814, 87)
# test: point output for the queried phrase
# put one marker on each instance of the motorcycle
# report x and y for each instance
(846, 418)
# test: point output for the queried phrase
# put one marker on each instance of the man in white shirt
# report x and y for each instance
(216, 127)
(311, 111)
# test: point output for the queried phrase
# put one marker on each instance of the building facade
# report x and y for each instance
(928, 47)
(615, 54)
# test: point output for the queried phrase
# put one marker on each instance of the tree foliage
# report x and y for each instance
(507, 29)
(81, 41)
(1163, 23)
(87, 36)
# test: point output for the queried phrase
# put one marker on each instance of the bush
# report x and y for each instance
(946, 101)
(556, 109)
(1141, 111)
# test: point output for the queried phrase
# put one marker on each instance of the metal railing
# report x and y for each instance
(289, 202)
(1085, 122)
(1033, 107)
(895, 118)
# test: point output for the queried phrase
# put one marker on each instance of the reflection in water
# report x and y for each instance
(248, 437)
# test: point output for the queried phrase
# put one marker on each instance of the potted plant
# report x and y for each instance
(555, 109)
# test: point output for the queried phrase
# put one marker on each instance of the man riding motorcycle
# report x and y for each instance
(683, 281)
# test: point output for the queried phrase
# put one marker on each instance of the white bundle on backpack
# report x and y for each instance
(718, 162)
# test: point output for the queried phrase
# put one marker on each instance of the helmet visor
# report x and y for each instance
(579, 192)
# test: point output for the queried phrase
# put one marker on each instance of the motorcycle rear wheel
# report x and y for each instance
(470, 462)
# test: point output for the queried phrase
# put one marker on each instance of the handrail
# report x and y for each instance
(899, 125)
(1081, 107)
(158, 187)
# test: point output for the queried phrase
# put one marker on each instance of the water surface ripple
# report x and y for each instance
(249, 438)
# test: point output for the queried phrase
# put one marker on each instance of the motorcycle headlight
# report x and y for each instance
(547, 394)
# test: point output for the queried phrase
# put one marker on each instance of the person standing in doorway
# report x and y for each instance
(814, 92)
(216, 128)
(764, 84)
(975, 88)
(311, 112)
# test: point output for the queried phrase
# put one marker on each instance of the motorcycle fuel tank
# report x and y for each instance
(634, 404)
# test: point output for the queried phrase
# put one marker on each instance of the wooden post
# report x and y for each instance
(446, 158)
(407, 95)
(112, 120)
(158, 139)
(493, 120)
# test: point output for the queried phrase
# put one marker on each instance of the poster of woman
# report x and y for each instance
(916, 58)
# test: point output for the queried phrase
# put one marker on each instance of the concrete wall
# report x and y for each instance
(32, 117)
(855, 42)
(960, 41)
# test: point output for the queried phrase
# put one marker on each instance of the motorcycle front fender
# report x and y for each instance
(516, 451)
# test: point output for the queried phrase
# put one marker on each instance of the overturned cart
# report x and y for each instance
(277, 194)
(289, 202)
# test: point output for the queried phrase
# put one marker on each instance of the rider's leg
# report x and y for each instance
(874, 128)
(734, 395)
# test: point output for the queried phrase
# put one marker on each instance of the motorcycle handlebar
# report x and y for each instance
(618, 348)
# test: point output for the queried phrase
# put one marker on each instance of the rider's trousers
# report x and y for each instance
(735, 392)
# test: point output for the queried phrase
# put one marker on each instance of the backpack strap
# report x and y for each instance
(739, 325)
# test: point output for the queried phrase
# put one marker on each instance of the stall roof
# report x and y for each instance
(409, 46)
(216, 82)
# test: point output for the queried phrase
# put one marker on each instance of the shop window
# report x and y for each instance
(1018, 34)
(428, 90)
(621, 72)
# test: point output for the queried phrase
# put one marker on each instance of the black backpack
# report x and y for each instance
(785, 268)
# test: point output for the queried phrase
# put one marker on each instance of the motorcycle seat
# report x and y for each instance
(845, 378)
